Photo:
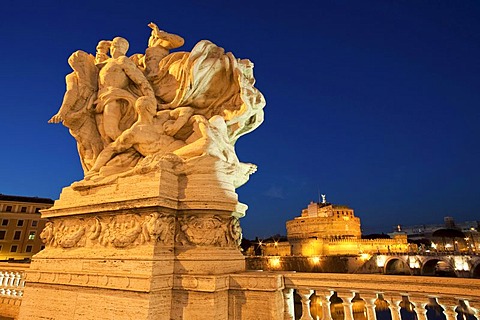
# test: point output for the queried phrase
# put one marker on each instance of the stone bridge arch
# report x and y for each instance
(397, 265)
(475, 271)
(437, 266)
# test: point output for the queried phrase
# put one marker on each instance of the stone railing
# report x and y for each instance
(327, 296)
(12, 282)
(352, 296)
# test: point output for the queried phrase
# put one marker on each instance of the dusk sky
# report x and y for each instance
(374, 103)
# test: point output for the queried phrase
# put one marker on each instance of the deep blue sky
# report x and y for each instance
(375, 103)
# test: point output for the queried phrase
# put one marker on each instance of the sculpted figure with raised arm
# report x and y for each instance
(120, 84)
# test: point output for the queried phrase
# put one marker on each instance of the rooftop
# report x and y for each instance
(4, 197)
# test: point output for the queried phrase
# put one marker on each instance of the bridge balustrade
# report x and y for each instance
(399, 295)
(336, 296)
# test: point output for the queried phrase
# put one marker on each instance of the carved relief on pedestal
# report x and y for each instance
(127, 230)
(119, 231)
(209, 231)
(234, 232)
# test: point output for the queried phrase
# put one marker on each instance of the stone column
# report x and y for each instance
(370, 299)
(449, 307)
(305, 298)
(347, 303)
(419, 303)
(288, 303)
(324, 296)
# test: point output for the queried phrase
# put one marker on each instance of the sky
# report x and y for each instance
(373, 103)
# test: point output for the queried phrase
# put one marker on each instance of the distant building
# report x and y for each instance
(20, 226)
(449, 236)
(325, 229)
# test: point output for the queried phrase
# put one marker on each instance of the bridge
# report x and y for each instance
(429, 264)
(329, 296)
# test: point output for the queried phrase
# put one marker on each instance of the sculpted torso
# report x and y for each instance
(113, 73)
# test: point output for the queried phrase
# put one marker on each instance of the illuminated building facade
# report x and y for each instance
(327, 229)
(20, 226)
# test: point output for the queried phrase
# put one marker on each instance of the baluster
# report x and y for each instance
(2, 277)
(394, 301)
(305, 297)
(324, 296)
(288, 311)
(449, 305)
(6, 277)
(419, 303)
(17, 279)
(347, 303)
(370, 299)
(11, 278)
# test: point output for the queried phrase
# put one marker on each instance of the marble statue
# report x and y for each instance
(128, 113)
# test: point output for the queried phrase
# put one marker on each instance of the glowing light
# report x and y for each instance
(381, 261)
(315, 260)
(434, 245)
(275, 262)
(276, 243)
(365, 256)
(413, 263)
(461, 264)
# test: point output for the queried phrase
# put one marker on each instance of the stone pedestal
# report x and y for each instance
(156, 246)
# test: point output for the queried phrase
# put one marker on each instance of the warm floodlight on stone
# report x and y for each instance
(152, 231)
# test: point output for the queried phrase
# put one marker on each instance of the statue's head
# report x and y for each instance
(119, 47)
(146, 105)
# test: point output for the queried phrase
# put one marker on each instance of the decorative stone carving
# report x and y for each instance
(118, 231)
(202, 231)
(126, 230)
(234, 232)
(126, 113)
(47, 234)
(158, 228)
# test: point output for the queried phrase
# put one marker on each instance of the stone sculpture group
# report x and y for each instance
(189, 108)
(153, 230)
